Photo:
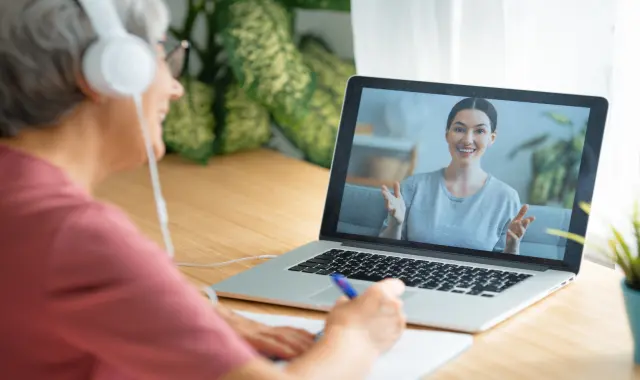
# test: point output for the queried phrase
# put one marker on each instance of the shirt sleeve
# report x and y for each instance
(117, 295)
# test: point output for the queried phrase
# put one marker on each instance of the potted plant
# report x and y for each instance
(626, 255)
(555, 162)
(257, 79)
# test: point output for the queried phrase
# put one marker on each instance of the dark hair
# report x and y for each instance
(475, 104)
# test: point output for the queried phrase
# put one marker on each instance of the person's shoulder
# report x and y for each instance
(423, 178)
(100, 234)
(97, 221)
(501, 189)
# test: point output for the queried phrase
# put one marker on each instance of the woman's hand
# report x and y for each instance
(376, 316)
(282, 342)
(394, 202)
(517, 229)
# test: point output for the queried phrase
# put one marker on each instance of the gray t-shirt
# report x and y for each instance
(434, 215)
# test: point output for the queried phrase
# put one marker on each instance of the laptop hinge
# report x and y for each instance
(446, 256)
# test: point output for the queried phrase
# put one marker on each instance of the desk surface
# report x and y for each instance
(275, 204)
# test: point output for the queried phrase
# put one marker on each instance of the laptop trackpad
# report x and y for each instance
(331, 294)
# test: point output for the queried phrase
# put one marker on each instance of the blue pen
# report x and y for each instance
(343, 284)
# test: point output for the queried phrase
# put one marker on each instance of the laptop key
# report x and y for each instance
(366, 277)
(445, 287)
(319, 261)
(310, 270)
(296, 268)
(492, 288)
(429, 285)
(325, 272)
(413, 283)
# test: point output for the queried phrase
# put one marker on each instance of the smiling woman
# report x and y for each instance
(459, 205)
(471, 130)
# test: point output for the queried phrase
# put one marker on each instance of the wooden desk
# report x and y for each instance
(264, 203)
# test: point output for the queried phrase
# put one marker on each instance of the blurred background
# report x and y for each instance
(537, 150)
(261, 74)
(271, 74)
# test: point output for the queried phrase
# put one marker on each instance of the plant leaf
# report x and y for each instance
(623, 244)
(635, 222)
(621, 261)
(559, 118)
(257, 39)
(586, 207)
(310, 39)
(567, 235)
(316, 134)
(580, 240)
(189, 126)
(636, 226)
(245, 125)
(529, 144)
(330, 5)
(331, 71)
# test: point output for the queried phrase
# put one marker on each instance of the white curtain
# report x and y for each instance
(575, 46)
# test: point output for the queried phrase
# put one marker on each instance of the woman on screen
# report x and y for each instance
(459, 205)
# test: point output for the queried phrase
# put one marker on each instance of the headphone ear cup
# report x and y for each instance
(120, 66)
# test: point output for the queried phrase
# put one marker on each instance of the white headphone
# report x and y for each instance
(118, 63)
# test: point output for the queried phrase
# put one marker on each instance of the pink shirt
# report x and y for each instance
(84, 295)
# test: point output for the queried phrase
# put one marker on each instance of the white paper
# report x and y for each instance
(417, 353)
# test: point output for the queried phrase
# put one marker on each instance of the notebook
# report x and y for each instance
(418, 353)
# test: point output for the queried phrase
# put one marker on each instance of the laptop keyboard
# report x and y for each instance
(422, 274)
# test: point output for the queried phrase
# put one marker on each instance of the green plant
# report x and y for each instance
(624, 253)
(189, 127)
(259, 75)
(556, 165)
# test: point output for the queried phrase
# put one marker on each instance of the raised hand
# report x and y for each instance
(517, 229)
(394, 202)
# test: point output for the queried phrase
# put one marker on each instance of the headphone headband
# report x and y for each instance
(104, 17)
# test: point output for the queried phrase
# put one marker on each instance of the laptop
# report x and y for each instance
(472, 165)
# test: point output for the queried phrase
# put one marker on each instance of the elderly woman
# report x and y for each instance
(84, 294)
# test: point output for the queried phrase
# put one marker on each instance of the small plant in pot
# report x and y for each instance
(625, 253)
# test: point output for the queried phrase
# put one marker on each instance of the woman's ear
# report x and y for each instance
(493, 138)
(92, 95)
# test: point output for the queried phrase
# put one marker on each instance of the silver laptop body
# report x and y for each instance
(448, 287)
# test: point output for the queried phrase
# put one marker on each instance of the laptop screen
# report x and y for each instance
(478, 173)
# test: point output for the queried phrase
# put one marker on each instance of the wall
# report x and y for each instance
(423, 117)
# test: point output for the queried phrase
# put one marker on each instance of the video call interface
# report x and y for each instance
(478, 173)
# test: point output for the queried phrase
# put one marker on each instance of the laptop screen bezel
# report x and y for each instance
(578, 224)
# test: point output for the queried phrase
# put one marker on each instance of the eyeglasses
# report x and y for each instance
(176, 58)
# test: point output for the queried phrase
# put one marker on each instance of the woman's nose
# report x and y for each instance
(177, 90)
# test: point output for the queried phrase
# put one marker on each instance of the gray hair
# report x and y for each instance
(41, 47)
